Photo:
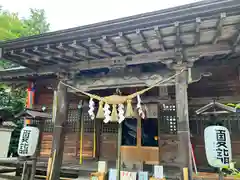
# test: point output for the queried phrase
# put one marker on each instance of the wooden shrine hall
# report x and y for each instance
(192, 51)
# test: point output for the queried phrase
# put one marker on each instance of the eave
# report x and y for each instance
(186, 33)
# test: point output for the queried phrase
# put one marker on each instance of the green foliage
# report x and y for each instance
(12, 27)
(227, 170)
(37, 23)
(12, 101)
(15, 138)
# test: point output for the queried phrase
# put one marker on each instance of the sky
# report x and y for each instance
(71, 13)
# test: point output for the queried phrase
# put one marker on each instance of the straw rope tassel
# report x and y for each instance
(81, 143)
(129, 109)
(114, 115)
(100, 113)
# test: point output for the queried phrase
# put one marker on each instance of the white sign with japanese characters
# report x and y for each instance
(28, 141)
(218, 146)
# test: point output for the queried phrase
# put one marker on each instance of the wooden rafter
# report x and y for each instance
(19, 61)
(128, 43)
(99, 47)
(197, 31)
(219, 28)
(69, 53)
(81, 50)
(179, 55)
(160, 38)
(236, 41)
(52, 49)
(144, 40)
(113, 44)
(144, 58)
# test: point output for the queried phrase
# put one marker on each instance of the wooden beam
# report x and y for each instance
(98, 127)
(184, 148)
(219, 28)
(144, 58)
(59, 120)
(119, 144)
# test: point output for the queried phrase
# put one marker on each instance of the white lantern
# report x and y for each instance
(218, 146)
(28, 141)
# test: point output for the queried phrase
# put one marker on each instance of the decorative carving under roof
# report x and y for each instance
(129, 79)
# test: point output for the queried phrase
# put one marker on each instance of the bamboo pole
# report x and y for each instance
(81, 141)
(185, 174)
(94, 138)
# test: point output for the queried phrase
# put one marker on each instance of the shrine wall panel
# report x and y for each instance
(108, 146)
(71, 146)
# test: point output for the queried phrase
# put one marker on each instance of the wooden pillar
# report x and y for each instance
(119, 144)
(139, 132)
(184, 152)
(98, 124)
(162, 94)
(59, 119)
(159, 120)
(38, 150)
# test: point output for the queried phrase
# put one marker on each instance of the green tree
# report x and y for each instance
(12, 100)
(12, 27)
(37, 23)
